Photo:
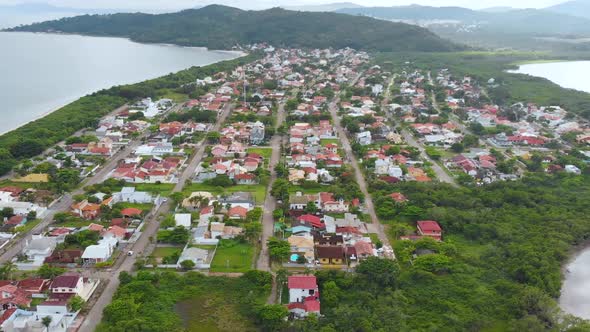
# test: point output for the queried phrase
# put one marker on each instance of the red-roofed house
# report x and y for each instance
(312, 220)
(12, 296)
(430, 228)
(303, 309)
(302, 287)
(237, 212)
(398, 197)
(131, 212)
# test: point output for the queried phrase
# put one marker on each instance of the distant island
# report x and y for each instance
(222, 27)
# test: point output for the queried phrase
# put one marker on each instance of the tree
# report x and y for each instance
(278, 249)
(470, 141)
(177, 197)
(252, 231)
(46, 321)
(272, 317)
(76, 303)
(7, 161)
(457, 147)
(7, 270)
(435, 263)
(379, 271)
(49, 272)
(187, 265)
(125, 278)
(311, 208)
(280, 190)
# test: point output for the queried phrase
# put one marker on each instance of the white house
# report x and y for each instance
(302, 287)
(572, 169)
(39, 248)
(23, 208)
(129, 195)
(183, 219)
(73, 283)
(196, 255)
(364, 138)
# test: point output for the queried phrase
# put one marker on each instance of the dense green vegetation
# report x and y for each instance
(220, 27)
(35, 137)
(153, 301)
(482, 66)
(497, 270)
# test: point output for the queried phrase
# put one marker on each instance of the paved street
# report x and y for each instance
(263, 262)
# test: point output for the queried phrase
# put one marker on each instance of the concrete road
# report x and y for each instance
(270, 203)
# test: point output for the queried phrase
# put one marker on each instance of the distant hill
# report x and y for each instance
(498, 9)
(579, 8)
(330, 7)
(221, 27)
(516, 21)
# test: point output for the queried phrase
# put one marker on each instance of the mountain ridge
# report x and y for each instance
(222, 27)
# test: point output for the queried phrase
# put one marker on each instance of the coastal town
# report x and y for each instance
(285, 164)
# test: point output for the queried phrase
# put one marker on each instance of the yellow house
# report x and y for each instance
(330, 255)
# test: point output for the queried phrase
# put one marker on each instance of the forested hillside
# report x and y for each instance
(220, 27)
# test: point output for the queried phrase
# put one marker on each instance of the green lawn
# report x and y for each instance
(293, 189)
(28, 226)
(232, 256)
(164, 189)
(75, 223)
(143, 207)
(258, 190)
(161, 252)
(264, 152)
(327, 141)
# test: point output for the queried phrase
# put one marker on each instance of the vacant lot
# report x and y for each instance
(232, 256)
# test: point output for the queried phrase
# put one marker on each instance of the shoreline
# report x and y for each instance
(68, 100)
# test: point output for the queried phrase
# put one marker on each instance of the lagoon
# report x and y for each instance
(575, 292)
(42, 72)
(571, 74)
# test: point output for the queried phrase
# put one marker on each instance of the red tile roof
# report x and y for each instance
(429, 226)
(302, 282)
(131, 212)
(65, 281)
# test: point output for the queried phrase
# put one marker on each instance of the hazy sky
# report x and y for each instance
(257, 4)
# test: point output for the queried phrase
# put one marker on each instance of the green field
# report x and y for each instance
(164, 189)
(327, 141)
(264, 152)
(258, 190)
(161, 252)
(232, 256)
(28, 226)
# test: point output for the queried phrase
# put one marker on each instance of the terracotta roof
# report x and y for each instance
(429, 226)
(131, 212)
(302, 282)
(65, 281)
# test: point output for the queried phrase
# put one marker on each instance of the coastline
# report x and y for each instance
(71, 99)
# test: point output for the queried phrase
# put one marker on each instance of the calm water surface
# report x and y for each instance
(42, 72)
(575, 293)
(571, 75)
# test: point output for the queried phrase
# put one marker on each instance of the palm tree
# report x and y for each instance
(46, 321)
